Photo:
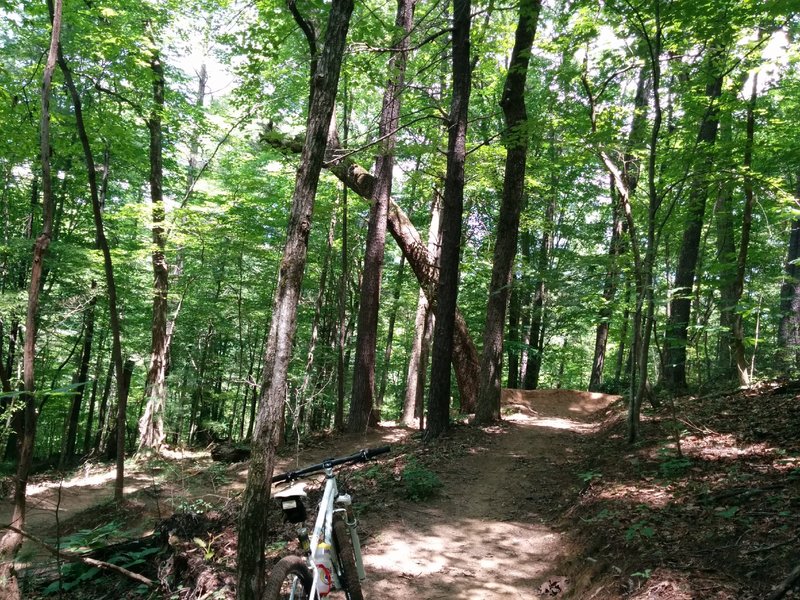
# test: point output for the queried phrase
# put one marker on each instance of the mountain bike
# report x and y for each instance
(332, 554)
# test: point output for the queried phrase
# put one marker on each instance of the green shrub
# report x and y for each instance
(420, 483)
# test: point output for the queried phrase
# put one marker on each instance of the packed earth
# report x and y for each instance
(550, 503)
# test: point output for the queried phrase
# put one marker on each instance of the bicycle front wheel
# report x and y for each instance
(348, 574)
(290, 579)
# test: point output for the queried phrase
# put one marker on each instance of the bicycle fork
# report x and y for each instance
(346, 504)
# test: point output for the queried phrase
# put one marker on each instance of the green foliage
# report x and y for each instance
(589, 476)
(419, 482)
(639, 529)
(206, 545)
(86, 540)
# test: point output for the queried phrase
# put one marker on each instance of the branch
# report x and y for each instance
(70, 557)
(136, 108)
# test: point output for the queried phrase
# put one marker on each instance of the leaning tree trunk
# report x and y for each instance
(252, 535)
(465, 356)
(11, 540)
(452, 215)
(363, 396)
(111, 289)
(680, 304)
(505, 249)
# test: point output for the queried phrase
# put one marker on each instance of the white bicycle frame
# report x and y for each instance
(323, 532)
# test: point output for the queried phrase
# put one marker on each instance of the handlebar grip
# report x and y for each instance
(373, 452)
(281, 477)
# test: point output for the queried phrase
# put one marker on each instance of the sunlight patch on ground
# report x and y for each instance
(558, 423)
(652, 496)
(472, 557)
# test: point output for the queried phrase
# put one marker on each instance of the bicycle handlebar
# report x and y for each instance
(361, 456)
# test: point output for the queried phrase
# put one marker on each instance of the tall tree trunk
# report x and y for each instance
(418, 359)
(514, 310)
(338, 419)
(362, 400)
(11, 541)
(516, 141)
(452, 215)
(302, 393)
(87, 436)
(151, 424)
(250, 554)
(631, 174)
(387, 353)
(111, 288)
(680, 303)
(726, 255)
(737, 339)
(536, 340)
(104, 426)
(789, 327)
(80, 381)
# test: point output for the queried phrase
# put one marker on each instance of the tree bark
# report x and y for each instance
(516, 137)
(250, 552)
(11, 541)
(789, 326)
(680, 303)
(631, 172)
(151, 424)
(80, 381)
(418, 359)
(111, 289)
(466, 361)
(452, 215)
(363, 396)
(737, 339)
(536, 340)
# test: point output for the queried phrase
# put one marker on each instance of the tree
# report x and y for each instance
(516, 141)
(12, 540)
(325, 80)
(452, 209)
(364, 373)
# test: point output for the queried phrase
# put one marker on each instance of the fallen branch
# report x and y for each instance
(772, 546)
(786, 584)
(75, 558)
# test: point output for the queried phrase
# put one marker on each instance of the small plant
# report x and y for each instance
(589, 476)
(646, 574)
(672, 466)
(727, 513)
(420, 482)
(206, 546)
(639, 529)
(198, 506)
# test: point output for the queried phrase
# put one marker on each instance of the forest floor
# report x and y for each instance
(552, 503)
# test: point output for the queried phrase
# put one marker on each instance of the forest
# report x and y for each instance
(249, 223)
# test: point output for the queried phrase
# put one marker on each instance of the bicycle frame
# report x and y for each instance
(323, 530)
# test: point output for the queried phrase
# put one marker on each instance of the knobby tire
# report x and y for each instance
(288, 571)
(348, 574)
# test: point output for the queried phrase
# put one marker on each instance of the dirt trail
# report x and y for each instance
(487, 536)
